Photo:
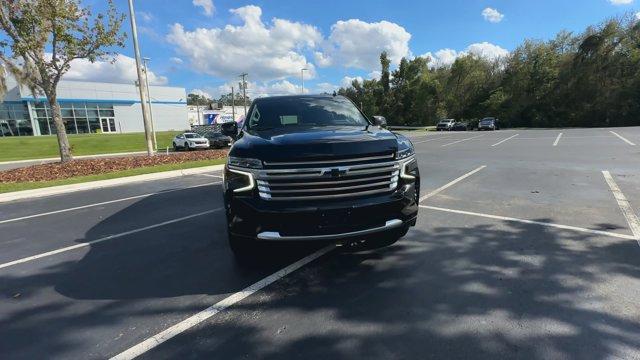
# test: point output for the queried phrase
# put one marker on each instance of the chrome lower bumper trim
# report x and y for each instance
(275, 236)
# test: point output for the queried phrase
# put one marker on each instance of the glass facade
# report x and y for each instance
(14, 120)
(78, 118)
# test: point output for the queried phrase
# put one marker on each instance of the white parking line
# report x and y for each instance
(202, 316)
(625, 206)
(446, 186)
(622, 138)
(557, 226)
(106, 238)
(211, 175)
(102, 203)
(507, 139)
(555, 143)
(459, 141)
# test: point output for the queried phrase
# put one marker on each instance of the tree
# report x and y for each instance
(42, 39)
(195, 99)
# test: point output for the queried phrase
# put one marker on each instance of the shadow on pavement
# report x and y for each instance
(464, 291)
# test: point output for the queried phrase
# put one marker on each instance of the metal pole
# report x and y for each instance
(143, 102)
(198, 109)
(244, 93)
(302, 76)
(153, 125)
(233, 104)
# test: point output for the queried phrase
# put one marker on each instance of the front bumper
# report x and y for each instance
(199, 146)
(252, 217)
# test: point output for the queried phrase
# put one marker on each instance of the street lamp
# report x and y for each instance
(145, 60)
(302, 77)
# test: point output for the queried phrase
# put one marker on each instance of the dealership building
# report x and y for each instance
(91, 107)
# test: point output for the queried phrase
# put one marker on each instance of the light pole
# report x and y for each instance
(143, 93)
(302, 77)
(146, 79)
(244, 92)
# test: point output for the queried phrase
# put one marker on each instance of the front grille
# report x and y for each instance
(328, 179)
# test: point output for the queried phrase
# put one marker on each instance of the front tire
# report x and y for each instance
(175, 147)
(186, 146)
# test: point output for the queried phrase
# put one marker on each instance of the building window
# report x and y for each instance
(14, 120)
(78, 117)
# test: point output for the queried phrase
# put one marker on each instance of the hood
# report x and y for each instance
(314, 143)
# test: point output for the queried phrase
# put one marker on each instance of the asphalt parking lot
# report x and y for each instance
(526, 247)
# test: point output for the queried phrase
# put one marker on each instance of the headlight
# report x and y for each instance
(245, 162)
(238, 181)
(405, 153)
(405, 147)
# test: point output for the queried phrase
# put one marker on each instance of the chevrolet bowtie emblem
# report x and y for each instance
(339, 172)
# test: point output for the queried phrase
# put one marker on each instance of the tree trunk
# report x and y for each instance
(61, 131)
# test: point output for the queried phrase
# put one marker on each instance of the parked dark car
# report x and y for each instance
(311, 168)
(445, 125)
(217, 140)
(460, 126)
(488, 124)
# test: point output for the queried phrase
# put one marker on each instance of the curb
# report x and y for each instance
(92, 185)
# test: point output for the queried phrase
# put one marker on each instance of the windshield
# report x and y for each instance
(304, 111)
(191, 136)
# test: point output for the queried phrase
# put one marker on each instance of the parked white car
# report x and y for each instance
(190, 141)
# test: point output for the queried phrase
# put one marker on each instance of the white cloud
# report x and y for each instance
(621, 2)
(265, 52)
(494, 16)
(206, 5)
(123, 71)
(326, 87)
(358, 44)
(146, 16)
(176, 60)
(446, 57)
(262, 89)
(347, 80)
(638, 16)
(200, 93)
(376, 74)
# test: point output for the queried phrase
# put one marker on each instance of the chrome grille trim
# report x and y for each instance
(344, 178)
(369, 158)
(331, 196)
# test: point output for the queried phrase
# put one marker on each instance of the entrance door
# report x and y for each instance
(108, 125)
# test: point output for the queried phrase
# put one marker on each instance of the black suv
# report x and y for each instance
(314, 168)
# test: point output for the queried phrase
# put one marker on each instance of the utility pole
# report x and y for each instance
(302, 77)
(198, 109)
(244, 93)
(143, 93)
(233, 104)
(153, 125)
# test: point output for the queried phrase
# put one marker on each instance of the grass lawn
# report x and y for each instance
(39, 147)
(9, 187)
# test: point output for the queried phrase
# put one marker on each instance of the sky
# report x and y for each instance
(203, 45)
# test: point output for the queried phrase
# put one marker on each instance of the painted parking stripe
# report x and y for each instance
(102, 203)
(103, 239)
(216, 308)
(450, 184)
(555, 143)
(625, 206)
(532, 222)
(505, 140)
(622, 138)
(213, 176)
(467, 139)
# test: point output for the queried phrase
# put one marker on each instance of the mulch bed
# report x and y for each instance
(56, 171)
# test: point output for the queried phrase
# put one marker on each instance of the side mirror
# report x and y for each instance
(380, 121)
(230, 129)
